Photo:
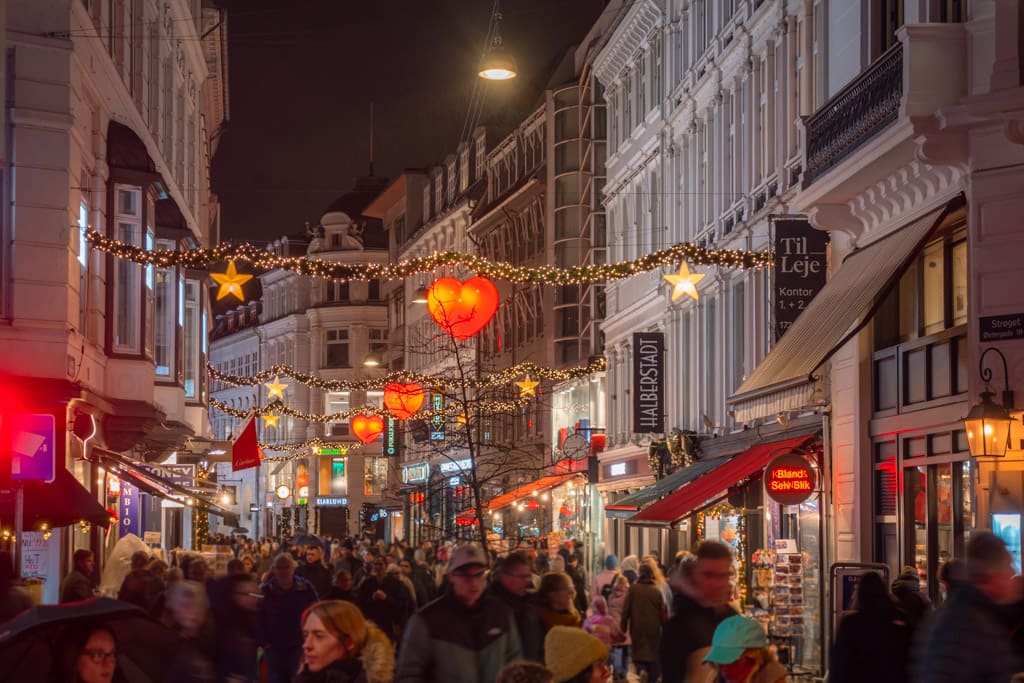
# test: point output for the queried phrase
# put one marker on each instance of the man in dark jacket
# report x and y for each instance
(285, 597)
(572, 567)
(78, 585)
(702, 591)
(969, 641)
(511, 584)
(907, 591)
(382, 600)
(464, 636)
(315, 571)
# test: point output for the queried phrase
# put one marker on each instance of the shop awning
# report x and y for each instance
(525, 491)
(150, 482)
(61, 503)
(850, 297)
(710, 487)
(627, 506)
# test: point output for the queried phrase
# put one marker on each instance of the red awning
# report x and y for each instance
(525, 491)
(715, 483)
(61, 503)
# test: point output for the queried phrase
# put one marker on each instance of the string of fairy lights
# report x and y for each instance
(262, 259)
(436, 382)
(277, 408)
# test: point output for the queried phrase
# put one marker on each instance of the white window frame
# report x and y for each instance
(126, 328)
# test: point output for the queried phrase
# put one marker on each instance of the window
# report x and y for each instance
(150, 281)
(337, 402)
(376, 476)
(335, 291)
(739, 370)
(930, 297)
(399, 228)
(83, 264)
(166, 315)
(127, 294)
(397, 309)
(378, 340)
(426, 203)
(332, 480)
(195, 338)
(373, 290)
(711, 357)
(890, 20)
(953, 11)
(336, 352)
(375, 398)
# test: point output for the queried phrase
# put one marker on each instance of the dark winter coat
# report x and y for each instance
(967, 642)
(528, 623)
(447, 642)
(76, 586)
(915, 605)
(642, 617)
(346, 671)
(317, 574)
(871, 646)
(389, 614)
(688, 631)
(141, 588)
(282, 610)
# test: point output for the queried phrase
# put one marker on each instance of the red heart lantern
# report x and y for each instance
(462, 308)
(367, 427)
(403, 400)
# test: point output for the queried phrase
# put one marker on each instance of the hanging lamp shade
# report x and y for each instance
(988, 428)
(498, 65)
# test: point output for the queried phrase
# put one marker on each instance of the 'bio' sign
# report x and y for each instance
(789, 479)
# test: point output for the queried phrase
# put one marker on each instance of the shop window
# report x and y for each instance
(332, 480)
(375, 476)
(336, 349)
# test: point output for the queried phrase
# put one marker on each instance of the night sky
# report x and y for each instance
(303, 74)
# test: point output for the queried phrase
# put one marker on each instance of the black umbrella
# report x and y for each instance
(31, 643)
(307, 539)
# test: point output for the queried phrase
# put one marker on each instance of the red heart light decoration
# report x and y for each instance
(403, 400)
(462, 308)
(367, 427)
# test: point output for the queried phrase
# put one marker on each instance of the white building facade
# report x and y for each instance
(113, 115)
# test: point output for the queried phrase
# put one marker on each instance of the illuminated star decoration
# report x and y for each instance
(231, 282)
(527, 387)
(270, 420)
(684, 282)
(461, 419)
(276, 388)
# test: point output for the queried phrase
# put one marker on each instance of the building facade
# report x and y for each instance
(113, 116)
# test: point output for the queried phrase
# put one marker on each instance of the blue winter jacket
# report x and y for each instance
(282, 610)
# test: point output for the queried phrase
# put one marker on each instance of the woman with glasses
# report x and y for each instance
(555, 601)
(340, 646)
(90, 655)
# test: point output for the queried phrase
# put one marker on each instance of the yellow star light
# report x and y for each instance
(270, 420)
(230, 282)
(461, 419)
(684, 282)
(527, 387)
(276, 388)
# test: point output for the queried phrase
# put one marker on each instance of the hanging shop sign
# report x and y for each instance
(129, 511)
(412, 474)
(789, 479)
(648, 382)
(392, 437)
(449, 466)
(801, 269)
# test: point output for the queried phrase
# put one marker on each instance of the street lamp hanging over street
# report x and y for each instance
(497, 64)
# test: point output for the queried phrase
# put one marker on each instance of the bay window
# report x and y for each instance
(337, 402)
(168, 315)
(336, 349)
(195, 338)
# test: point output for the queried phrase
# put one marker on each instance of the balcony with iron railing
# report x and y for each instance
(857, 113)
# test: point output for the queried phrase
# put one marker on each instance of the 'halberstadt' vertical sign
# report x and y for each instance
(648, 382)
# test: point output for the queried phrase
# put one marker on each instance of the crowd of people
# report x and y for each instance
(345, 611)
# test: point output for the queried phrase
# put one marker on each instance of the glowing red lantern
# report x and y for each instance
(462, 308)
(367, 427)
(403, 400)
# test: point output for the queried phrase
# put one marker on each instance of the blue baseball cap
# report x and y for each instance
(733, 637)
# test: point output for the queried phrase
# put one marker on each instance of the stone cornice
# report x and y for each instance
(628, 38)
